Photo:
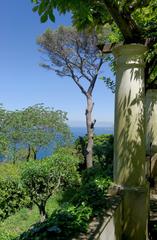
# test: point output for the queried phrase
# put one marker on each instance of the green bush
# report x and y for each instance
(5, 236)
(102, 150)
(12, 194)
(73, 218)
(67, 161)
(64, 224)
(93, 189)
(43, 178)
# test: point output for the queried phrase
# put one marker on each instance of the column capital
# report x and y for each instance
(130, 54)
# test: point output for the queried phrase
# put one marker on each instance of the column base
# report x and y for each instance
(135, 209)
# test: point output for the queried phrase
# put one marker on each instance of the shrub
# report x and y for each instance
(65, 223)
(93, 189)
(43, 178)
(5, 236)
(102, 150)
(12, 195)
(73, 217)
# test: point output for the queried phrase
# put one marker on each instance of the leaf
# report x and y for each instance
(35, 9)
(90, 18)
(44, 18)
(51, 16)
(41, 8)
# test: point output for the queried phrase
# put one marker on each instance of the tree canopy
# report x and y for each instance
(32, 128)
(135, 18)
(132, 21)
(3, 138)
(72, 54)
(43, 178)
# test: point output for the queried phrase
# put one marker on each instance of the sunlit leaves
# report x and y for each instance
(31, 128)
(88, 13)
(43, 178)
(12, 195)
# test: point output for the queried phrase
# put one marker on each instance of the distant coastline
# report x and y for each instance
(81, 131)
(76, 131)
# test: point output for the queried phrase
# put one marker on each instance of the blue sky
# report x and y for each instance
(25, 83)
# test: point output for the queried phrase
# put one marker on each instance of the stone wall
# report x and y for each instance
(111, 228)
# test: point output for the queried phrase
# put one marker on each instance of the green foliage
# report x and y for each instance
(88, 11)
(39, 179)
(97, 13)
(102, 150)
(12, 195)
(76, 219)
(131, 21)
(43, 178)
(109, 82)
(147, 17)
(3, 138)
(74, 216)
(93, 189)
(76, 55)
(33, 128)
(66, 162)
(65, 223)
(21, 154)
(5, 235)
(73, 54)
(16, 224)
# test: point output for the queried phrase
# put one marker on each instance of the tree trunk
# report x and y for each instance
(34, 153)
(29, 152)
(14, 153)
(128, 27)
(43, 214)
(90, 126)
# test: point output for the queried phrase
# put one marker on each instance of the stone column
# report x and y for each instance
(151, 132)
(129, 139)
(151, 120)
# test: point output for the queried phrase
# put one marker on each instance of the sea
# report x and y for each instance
(81, 131)
(76, 132)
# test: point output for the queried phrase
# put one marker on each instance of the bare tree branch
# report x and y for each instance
(76, 55)
(76, 80)
(91, 87)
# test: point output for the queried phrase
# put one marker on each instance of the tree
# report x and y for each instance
(102, 150)
(41, 126)
(3, 138)
(35, 127)
(131, 21)
(13, 130)
(75, 55)
(43, 178)
(132, 17)
(12, 194)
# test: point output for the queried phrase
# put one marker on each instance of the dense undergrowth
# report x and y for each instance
(24, 218)
(82, 194)
(73, 216)
(13, 195)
